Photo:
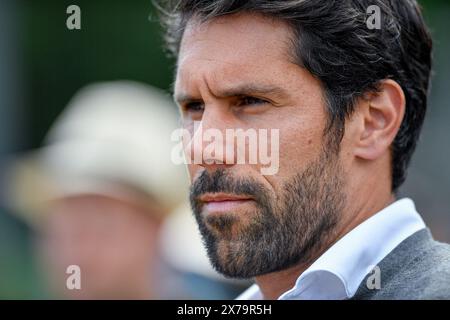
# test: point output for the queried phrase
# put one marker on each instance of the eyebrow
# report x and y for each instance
(238, 91)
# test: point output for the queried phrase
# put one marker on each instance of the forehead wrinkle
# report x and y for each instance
(273, 34)
(226, 79)
(184, 96)
(193, 58)
(251, 88)
(236, 91)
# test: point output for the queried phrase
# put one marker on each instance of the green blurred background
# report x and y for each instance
(42, 65)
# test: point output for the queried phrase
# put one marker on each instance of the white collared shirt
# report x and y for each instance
(338, 273)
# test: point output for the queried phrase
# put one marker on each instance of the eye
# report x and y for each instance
(251, 101)
(194, 106)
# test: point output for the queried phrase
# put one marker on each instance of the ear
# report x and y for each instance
(380, 116)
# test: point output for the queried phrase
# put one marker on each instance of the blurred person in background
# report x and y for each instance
(99, 190)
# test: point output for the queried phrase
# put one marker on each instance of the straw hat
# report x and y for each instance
(112, 136)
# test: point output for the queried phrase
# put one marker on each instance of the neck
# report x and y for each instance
(274, 284)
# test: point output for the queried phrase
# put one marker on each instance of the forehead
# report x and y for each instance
(234, 47)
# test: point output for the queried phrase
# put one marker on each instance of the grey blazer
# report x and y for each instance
(418, 268)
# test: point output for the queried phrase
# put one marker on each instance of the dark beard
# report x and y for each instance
(285, 231)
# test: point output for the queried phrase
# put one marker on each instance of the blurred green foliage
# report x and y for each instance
(117, 40)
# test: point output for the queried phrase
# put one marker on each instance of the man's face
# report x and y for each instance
(108, 239)
(237, 72)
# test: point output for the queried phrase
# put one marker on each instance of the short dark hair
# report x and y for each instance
(333, 42)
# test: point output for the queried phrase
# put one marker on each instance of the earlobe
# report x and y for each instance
(381, 115)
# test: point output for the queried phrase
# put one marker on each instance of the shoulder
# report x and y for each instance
(426, 276)
(417, 269)
(429, 277)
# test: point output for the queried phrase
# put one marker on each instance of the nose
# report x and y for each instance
(209, 146)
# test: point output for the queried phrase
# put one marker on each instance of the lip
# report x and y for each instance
(222, 202)
(220, 197)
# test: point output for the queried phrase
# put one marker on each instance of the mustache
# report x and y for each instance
(221, 181)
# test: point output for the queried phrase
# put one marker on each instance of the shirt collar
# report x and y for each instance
(338, 273)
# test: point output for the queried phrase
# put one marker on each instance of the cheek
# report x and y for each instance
(301, 142)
